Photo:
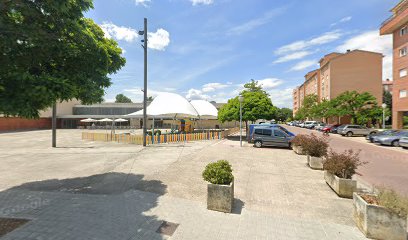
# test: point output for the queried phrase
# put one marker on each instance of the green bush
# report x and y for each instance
(393, 201)
(315, 146)
(219, 172)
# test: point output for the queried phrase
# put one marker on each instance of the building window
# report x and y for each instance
(403, 51)
(403, 93)
(404, 31)
(403, 72)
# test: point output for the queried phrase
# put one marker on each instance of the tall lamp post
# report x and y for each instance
(384, 106)
(144, 41)
(241, 99)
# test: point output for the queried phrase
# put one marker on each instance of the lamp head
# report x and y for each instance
(384, 106)
(241, 98)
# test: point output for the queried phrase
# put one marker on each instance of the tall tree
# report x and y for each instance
(50, 52)
(283, 114)
(120, 98)
(256, 105)
(355, 104)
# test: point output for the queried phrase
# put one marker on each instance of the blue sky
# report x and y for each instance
(207, 49)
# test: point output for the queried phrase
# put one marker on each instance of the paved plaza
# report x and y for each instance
(97, 190)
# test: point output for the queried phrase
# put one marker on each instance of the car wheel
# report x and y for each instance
(395, 143)
(349, 134)
(258, 144)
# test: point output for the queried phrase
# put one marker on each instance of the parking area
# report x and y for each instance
(387, 166)
(91, 190)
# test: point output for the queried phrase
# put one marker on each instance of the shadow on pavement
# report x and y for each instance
(103, 206)
(238, 206)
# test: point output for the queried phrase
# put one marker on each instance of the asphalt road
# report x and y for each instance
(386, 167)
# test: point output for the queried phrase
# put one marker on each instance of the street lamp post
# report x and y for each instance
(144, 41)
(384, 106)
(241, 99)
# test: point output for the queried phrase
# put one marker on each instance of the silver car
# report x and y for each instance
(270, 137)
(351, 130)
(403, 142)
(391, 140)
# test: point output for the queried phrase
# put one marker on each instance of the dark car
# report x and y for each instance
(270, 136)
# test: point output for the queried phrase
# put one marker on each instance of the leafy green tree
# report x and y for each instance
(387, 99)
(256, 105)
(120, 98)
(356, 105)
(283, 114)
(50, 52)
(308, 108)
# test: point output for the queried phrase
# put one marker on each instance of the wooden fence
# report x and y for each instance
(164, 138)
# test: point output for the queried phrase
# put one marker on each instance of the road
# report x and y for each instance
(386, 166)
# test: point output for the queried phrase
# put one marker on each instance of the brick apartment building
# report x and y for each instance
(387, 86)
(397, 25)
(339, 72)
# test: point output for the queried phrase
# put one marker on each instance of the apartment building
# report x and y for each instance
(397, 25)
(387, 86)
(355, 70)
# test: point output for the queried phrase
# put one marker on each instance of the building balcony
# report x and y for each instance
(396, 21)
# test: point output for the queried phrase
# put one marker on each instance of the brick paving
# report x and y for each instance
(112, 191)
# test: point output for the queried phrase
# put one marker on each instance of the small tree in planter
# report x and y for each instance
(339, 169)
(220, 189)
(297, 143)
(381, 216)
(316, 149)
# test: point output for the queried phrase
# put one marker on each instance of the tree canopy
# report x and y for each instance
(51, 52)
(256, 105)
(120, 98)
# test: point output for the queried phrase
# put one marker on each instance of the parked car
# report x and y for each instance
(329, 127)
(403, 142)
(271, 136)
(351, 130)
(338, 129)
(319, 126)
(265, 125)
(302, 124)
(391, 140)
(372, 137)
(309, 124)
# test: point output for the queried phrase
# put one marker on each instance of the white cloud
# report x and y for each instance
(211, 87)
(194, 94)
(201, 2)
(269, 83)
(142, 2)
(343, 20)
(158, 40)
(293, 56)
(256, 22)
(372, 41)
(303, 65)
(282, 97)
(305, 44)
(119, 32)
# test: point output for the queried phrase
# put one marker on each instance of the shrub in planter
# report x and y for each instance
(339, 169)
(382, 216)
(297, 143)
(316, 149)
(220, 189)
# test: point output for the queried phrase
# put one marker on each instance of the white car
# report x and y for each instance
(309, 124)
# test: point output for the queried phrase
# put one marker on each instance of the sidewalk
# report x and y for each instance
(113, 191)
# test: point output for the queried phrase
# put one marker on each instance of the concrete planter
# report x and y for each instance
(298, 150)
(343, 187)
(220, 197)
(378, 222)
(315, 163)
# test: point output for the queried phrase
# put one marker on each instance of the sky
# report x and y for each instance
(207, 49)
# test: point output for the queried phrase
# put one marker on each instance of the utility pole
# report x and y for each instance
(145, 84)
(54, 125)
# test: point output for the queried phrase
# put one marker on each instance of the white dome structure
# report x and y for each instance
(205, 109)
(168, 105)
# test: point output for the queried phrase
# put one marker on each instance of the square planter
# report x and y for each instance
(220, 197)
(378, 222)
(298, 150)
(343, 187)
(315, 163)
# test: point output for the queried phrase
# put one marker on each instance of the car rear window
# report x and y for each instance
(258, 131)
